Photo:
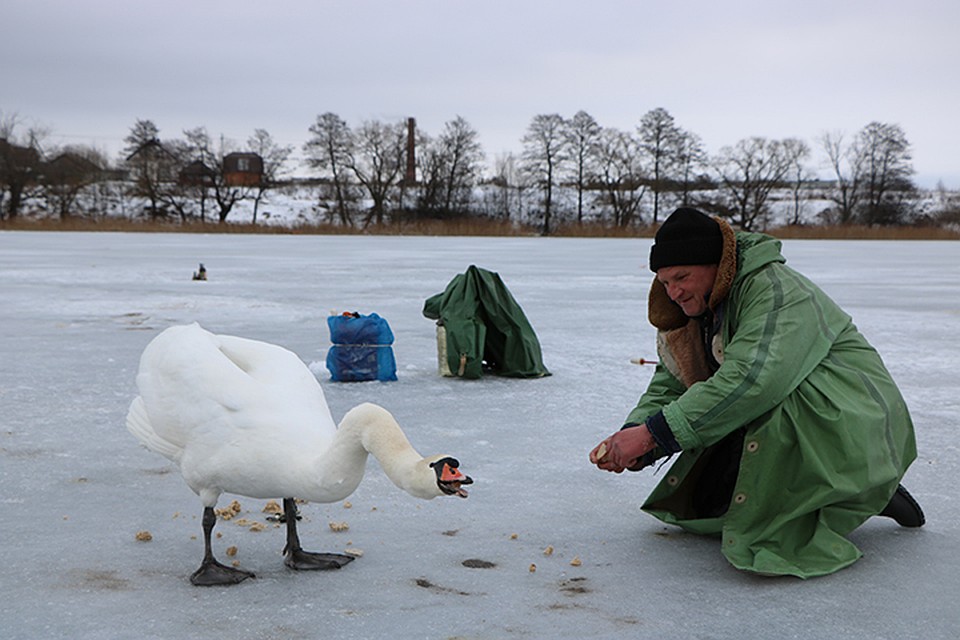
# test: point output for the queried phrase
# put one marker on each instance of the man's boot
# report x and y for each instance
(904, 509)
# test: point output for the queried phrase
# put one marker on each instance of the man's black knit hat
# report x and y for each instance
(686, 237)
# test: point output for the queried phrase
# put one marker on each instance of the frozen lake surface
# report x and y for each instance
(76, 310)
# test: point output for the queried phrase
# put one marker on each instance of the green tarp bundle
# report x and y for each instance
(486, 330)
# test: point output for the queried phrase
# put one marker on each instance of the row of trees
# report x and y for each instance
(376, 163)
(871, 173)
(182, 177)
(185, 177)
(611, 171)
(372, 173)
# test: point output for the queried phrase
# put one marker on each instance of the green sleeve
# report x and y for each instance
(663, 389)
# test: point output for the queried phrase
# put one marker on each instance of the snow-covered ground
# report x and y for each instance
(76, 310)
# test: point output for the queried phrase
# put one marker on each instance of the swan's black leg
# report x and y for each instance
(212, 572)
(294, 555)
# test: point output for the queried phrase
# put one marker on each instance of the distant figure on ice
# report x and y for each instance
(790, 430)
(201, 274)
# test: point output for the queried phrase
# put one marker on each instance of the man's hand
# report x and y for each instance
(621, 450)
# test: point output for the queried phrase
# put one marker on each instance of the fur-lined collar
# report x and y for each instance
(679, 340)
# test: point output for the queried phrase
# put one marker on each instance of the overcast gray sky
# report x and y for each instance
(87, 70)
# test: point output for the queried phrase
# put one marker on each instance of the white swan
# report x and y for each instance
(247, 417)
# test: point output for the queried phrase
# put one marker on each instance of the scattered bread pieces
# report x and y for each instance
(144, 536)
(231, 551)
(272, 507)
(533, 568)
(356, 553)
(576, 562)
(257, 526)
(347, 505)
(548, 551)
(514, 536)
(229, 511)
(339, 526)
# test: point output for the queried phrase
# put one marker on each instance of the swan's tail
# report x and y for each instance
(138, 423)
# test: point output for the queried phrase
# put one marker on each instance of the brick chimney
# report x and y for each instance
(410, 176)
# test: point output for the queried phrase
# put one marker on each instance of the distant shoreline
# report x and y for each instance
(467, 227)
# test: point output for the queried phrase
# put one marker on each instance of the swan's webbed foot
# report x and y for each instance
(212, 573)
(307, 560)
(296, 558)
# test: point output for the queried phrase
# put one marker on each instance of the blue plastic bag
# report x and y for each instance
(361, 348)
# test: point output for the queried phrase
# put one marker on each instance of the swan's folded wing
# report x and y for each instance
(277, 383)
(197, 385)
(188, 386)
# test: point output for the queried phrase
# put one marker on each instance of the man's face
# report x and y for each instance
(689, 285)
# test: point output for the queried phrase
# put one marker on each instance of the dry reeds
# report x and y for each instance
(858, 232)
(457, 227)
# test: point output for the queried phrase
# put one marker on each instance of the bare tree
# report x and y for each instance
(430, 163)
(885, 161)
(544, 146)
(749, 171)
(205, 170)
(151, 163)
(226, 194)
(331, 151)
(450, 168)
(70, 172)
(377, 162)
(274, 158)
(844, 162)
(582, 133)
(690, 158)
(619, 170)
(872, 173)
(141, 133)
(20, 160)
(797, 152)
(463, 154)
(511, 185)
(660, 140)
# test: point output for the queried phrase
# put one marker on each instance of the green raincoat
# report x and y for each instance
(826, 436)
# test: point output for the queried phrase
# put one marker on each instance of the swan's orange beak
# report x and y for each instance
(451, 474)
(449, 477)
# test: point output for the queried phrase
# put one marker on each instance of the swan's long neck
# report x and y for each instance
(365, 429)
